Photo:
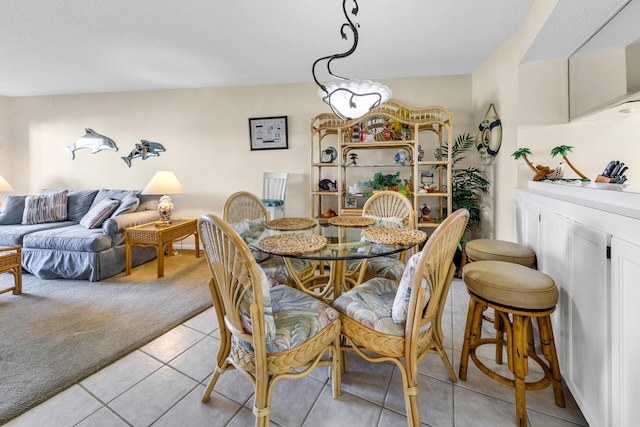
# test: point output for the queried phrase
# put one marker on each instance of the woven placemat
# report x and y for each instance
(290, 223)
(394, 236)
(292, 244)
(351, 221)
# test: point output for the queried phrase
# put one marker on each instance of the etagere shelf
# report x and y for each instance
(393, 139)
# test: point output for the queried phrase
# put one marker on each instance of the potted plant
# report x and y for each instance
(469, 185)
(381, 181)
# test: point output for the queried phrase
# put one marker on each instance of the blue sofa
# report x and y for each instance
(68, 249)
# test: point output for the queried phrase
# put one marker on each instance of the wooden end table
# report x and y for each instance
(159, 236)
(11, 262)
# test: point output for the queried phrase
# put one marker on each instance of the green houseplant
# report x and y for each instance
(469, 183)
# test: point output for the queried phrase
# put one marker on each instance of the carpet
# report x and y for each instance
(58, 332)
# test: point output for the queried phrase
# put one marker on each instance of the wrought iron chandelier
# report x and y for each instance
(349, 99)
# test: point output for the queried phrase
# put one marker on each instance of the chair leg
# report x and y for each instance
(439, 348)
(336, 368)
(472, 332)
(549, 351)
(410, 383)
(519, 344)
(261, 402)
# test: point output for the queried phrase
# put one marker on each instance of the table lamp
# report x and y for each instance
(164, 183)
(5, 187)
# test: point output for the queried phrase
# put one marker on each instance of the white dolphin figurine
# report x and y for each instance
(92, 140)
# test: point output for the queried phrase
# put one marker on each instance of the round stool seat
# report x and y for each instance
(511, 285)
(500, 250)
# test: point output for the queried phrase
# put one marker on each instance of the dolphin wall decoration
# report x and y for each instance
(92, 140)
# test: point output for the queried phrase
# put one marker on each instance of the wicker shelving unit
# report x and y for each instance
(378, 139)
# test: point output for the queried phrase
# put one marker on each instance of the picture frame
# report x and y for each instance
(268, 133)
(350, 202)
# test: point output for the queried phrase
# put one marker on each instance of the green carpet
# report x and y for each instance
(58, 332)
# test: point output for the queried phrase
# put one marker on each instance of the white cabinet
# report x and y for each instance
(588, 240)
(625, 295)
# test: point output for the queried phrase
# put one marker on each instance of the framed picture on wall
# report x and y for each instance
(268, 133)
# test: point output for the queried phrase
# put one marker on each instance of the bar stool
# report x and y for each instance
(499, 250)
(516, 294)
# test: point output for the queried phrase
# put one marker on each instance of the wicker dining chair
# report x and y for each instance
(394, 208)
(267, 333)
(248, 216)
(383, 320)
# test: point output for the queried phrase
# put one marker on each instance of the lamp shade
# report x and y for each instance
(5, 187)
(163, 182)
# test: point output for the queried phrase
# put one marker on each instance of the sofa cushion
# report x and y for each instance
(12, 210)
(127, 205)
(51, 207)
(112, 194)
(12, 235)
(74, 238)
(148, 202)
(99, 212)
(78, 202)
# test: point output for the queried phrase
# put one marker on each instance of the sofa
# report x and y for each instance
(76, 234)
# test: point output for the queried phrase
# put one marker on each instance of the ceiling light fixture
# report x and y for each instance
(349, 99)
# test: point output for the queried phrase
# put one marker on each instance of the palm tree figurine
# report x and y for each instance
(524, 152)
(563, 150)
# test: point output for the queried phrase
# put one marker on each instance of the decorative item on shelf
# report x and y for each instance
(363, 132)
(420, 153)
(329, 155)
(426, 177)
(330, 213)
(489, 136)
(387, 132)
(327, 185)
(401, 157)
(349, 99)
(92, 140)
(165, 183)
(563, 150)
(388, 181)
(524, 152)
(425, 211)
(144, 149)
(613, 173)
(353, 157)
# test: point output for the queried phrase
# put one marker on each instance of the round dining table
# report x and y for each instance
(330, 271)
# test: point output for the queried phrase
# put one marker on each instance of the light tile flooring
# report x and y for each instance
(161, 383)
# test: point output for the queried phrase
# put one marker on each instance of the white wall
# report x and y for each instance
(532, 101)
(205, 132)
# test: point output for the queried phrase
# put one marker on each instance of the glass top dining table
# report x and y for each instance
(330, 273)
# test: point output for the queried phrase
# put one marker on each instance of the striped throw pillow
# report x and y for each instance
(97, 214)
(51, 207)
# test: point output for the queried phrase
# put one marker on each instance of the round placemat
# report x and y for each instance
(394, 236)
(292, 244)
(290, 223)
(351, 221)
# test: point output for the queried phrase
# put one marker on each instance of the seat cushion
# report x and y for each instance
(370, 304)
(272, 202)
(511, 285)
(276, 270)
(389, 267)
(500, 250)
(72, 238)
(298, 318)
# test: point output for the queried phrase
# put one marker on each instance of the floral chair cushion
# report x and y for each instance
(250, 229)
(298, 317)
(402, 297)
(370, 304)
(387, 267)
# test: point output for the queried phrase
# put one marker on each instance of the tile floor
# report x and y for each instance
(160, 385)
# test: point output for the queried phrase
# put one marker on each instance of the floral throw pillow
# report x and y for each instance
(50, 207)
(401, 302)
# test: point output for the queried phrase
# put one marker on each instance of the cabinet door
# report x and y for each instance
(526, 224)
(552, 240)
(625, 295)
(587, 371)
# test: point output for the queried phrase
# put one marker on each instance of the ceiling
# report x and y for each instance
(89, 46)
